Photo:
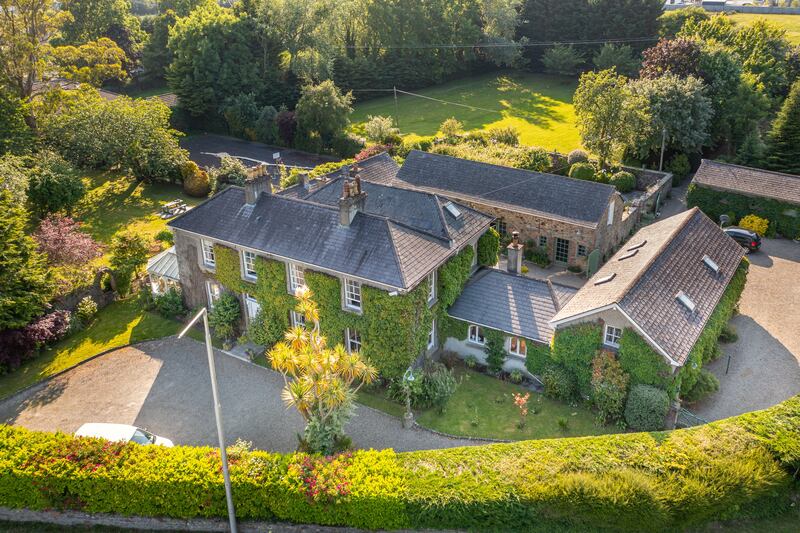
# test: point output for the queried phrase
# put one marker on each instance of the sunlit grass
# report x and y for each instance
(539, 106)
(790, 23)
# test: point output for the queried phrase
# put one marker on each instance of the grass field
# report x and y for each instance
(538, 105)
(790, 23)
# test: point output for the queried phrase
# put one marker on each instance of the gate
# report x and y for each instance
(688, 419)
(592, 263)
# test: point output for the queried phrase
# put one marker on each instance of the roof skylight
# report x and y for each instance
(606, 279)
(452, 209)
(710, 263)
(637, 245)
(686, 301)
(628, 255)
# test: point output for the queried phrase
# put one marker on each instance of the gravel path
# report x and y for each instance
(164, 386)
(765, 361)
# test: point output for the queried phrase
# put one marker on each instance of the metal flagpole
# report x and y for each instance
(217, 412)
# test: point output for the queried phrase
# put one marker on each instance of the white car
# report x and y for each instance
(121, 432)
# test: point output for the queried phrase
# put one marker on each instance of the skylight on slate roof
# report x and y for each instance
(606, 279)
(711, 264)
(637, 245)
(686, 301)
(452, 209)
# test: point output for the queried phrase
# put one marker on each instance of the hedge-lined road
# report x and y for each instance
(765, 361)
(164, 386)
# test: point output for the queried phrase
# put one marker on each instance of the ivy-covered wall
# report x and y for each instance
(642, 362)
(574, 348)
(394, 329)
(783, 218)
(489, 247)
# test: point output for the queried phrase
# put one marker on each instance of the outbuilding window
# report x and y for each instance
(613, 335)
(475, 335)
(517, 346)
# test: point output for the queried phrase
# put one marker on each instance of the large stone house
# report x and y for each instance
(371, 253)
(568, 217)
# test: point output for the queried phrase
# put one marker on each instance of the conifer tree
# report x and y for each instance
(783, 152)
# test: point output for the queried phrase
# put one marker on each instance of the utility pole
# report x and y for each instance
(663, 145)
(396, 108)
(217, 412)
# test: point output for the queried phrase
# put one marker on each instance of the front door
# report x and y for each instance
(562, 250)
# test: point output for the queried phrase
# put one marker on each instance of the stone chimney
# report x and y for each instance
(515, 253)
(254, 187)
(305, 181)
(352, 201)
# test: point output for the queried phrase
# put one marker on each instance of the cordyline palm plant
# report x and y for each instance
(320, 382)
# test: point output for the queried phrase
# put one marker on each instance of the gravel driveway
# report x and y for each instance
(765, 361)
(164, 386)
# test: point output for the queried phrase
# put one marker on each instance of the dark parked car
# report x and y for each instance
(746, 238)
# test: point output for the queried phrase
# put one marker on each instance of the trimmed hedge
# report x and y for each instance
(646, 408)
(734, 468)
(783, 218)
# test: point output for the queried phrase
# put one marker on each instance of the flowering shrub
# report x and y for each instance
(609, 387)
(373, 150)
(755, 223)
(17, 345)
(521, 401)
(322, 479)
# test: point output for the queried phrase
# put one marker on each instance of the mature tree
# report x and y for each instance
(320, 382)
(500, 20)
(610, 117)
(25, 282)
(618, 57)
(132, 133)
(26, 27)
(751, 151)
(680, 57)
(93, 19)
(15, 135)
(783, 147)
(214, 56)
(323, 112)
(679, 110)
(129, 253)
(94, 62)
(14, 177)
(563, 59)
(241, 112)
(53, 185)
(181, 7)
(64, 243)
(156, 55)
(672, 21)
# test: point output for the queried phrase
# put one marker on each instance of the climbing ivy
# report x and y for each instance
(783, 218)
(453, 275)
(642, 362)
(489, 248)
(574, 349)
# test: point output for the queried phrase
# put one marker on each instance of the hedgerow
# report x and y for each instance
(734, 468)
(783, 218)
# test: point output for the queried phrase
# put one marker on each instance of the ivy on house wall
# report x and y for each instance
(489, 247)
(783, 218)
(538, 358)
(574, 348)
(642, 362)
(453, 275)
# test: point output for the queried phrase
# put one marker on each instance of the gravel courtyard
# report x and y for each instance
(164, 386)
(765, 361)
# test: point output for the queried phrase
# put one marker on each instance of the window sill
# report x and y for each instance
(476, 344)
(610, 345)
(517, 356)
(354, 310)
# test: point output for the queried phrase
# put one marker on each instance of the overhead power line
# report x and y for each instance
(506, 45)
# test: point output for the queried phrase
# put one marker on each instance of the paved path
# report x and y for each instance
(765, 361)
(164, 386)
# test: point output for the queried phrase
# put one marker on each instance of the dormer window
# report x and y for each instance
(686, 301)
(711, 264)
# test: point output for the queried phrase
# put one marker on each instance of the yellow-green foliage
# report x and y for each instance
(626, 482)
(755, 223)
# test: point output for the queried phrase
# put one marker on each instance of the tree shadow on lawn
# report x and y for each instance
(531, 106)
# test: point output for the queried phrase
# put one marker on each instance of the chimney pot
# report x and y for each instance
(515, 253)
(351, 202)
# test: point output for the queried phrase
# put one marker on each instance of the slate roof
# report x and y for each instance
(514, 304)
(380, 168)
(164, 264)
(372, 247)
(644, 281)
(748, 181)
(545, 195)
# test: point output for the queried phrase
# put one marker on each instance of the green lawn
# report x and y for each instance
(538, 105)
(790, 23)
(483, 406)
(122, 322)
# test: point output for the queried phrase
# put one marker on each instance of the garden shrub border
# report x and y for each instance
(715, 203)
(734, 468)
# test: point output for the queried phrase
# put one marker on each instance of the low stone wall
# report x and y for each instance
(69, 302)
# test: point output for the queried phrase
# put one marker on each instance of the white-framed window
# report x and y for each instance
(432, 287)
(252, 306)
(353, 340)
(475, 335)
(432, 335)
(297, 277)
(213, 291)
(517, 346)
(613, 335)
(611, 213)
(352, 294)
(249, 262)
(297, 319)
(208, 253)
